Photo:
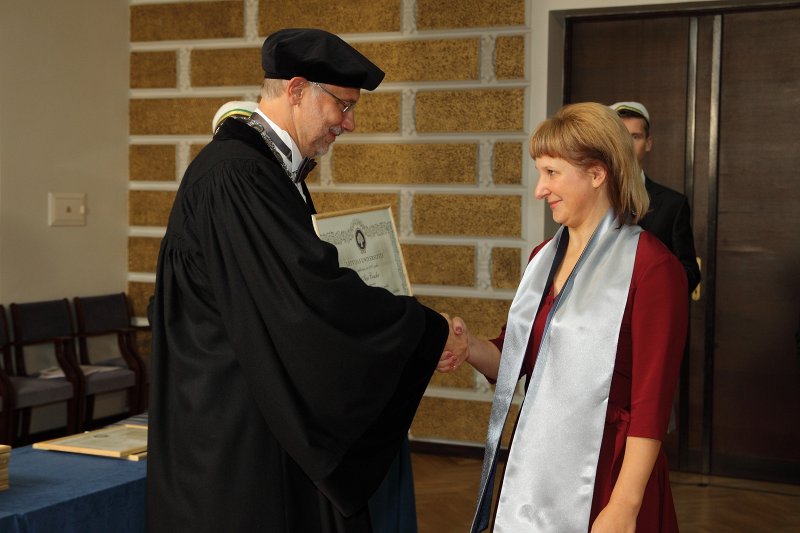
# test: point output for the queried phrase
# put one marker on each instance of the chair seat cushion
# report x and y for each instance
(34, 391)
(110, 380)
(113, 361)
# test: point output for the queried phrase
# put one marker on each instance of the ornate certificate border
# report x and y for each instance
(367, 242)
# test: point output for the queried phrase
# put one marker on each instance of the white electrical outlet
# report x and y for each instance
(66, 209)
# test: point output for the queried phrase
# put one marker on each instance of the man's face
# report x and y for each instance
(642, 142)
(321, 118)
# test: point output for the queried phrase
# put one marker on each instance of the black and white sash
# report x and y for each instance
(549, 478)
(278, 147)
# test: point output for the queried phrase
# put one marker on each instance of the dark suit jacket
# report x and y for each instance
(669, 220)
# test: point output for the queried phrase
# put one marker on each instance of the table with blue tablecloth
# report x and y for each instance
(75, 493)
(68, 492)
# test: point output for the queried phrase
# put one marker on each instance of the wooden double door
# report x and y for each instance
(723, 90)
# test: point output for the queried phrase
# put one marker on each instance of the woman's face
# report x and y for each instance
(570, 192)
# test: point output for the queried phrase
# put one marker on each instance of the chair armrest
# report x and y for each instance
(68, 361)
(127, 347)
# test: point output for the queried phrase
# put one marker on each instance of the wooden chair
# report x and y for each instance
(51, 322)
(20, 392)
(105, 316)
(6, 390)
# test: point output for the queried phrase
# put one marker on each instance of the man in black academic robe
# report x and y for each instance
(282, 386)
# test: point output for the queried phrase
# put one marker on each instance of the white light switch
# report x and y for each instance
(66, 209)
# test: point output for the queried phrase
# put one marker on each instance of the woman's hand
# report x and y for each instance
(456, 351)
(619, 516)
(616, 518)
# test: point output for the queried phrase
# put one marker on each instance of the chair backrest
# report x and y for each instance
(102, 314)
(5, 349)
(38, 323)
(5, 341)
(7, 400)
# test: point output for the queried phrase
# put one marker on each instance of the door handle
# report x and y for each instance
(696, 291)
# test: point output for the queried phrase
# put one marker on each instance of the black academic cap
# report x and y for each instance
(317, 56)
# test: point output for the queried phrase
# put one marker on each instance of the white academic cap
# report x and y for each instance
(232, 108)
(633, 107)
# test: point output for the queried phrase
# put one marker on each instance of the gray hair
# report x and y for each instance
(272, 88)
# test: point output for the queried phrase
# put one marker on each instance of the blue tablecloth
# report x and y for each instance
(66, 492)
(59, 492)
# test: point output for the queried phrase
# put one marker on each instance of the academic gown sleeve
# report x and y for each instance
(336, 368)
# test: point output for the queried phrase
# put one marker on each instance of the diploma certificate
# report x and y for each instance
(111, 441)
(367, 242)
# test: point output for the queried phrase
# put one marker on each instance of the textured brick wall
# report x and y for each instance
(442, 141)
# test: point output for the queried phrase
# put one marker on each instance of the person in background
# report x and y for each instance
(669, 217)
(597, 328)
(282, 385)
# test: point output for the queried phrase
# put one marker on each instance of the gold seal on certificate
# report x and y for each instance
(367, 243)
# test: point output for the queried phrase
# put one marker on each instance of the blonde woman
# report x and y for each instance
(597, 328)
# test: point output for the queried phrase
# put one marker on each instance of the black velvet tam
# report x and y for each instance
(317, 56)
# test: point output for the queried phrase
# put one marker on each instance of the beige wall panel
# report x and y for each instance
(443, 418)
(326, 202)
(139, 294)
(184, 21)
(488, 215)
(430, 60)
(463, 378)
(143, 253)
(378, 113)
(144, 340)
(151, 162)
(153, 70)
(507, 163)
(509, 57)
(440, 265)
(149, 208)
(484, 317)
(194, 149)
(505, 268)
(459, 420)
(474, 110)
(229, 66)
(435, 14)
(64, 89)
(313, 176)
(173, 116)
(405, 163)
(336, 16)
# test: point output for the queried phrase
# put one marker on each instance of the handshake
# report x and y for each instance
(456, 351)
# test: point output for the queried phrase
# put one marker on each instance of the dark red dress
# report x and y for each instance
(649, 352)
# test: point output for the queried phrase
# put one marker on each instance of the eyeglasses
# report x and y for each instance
(346, 106)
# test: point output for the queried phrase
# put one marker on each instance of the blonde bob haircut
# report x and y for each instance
(590, 134)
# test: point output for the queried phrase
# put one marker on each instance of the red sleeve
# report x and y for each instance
(659, 319)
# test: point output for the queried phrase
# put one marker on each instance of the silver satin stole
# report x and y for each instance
(549, 478)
